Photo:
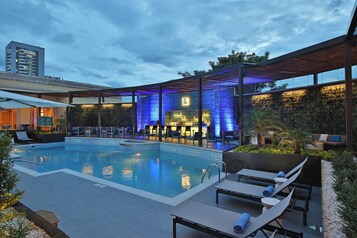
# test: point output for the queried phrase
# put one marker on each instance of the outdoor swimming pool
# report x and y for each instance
(163, 170)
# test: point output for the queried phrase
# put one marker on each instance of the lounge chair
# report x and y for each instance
(269, 176)
(22, 137)
(219, 222)
(196, 136)
(211, 137)
(176, 134)
(255, 192)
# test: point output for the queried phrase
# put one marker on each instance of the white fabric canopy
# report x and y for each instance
(14, 100)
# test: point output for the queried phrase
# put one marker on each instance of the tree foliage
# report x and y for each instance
(296, 137)
(260, 122)
(233, 58)
(9, 195)
(116, 116)
(238, 57)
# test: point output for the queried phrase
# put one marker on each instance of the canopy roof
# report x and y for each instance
(322, 57)
(14, 100)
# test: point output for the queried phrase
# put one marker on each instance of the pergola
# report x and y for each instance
(339, 52)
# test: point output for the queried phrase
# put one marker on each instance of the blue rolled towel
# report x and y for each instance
(268, 191)
(281, 174)
(242, 223)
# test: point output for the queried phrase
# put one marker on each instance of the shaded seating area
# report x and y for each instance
(220, 222)
(325, 141)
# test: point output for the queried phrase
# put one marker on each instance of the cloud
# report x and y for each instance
(126, 43)
(62, 38)
(27, 16)
(91, 74)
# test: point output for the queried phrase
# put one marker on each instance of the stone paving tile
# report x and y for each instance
(86, 210)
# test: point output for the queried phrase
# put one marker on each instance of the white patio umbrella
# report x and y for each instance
(14, 100)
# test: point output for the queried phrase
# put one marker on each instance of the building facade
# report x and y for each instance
(41, 87)
(25, 59)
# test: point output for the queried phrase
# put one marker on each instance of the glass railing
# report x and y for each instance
(93, 131)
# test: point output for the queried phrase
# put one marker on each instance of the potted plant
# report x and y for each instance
(297, 138)
(260, 122)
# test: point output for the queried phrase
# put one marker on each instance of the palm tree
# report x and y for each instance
(260, 122)
(297, 137)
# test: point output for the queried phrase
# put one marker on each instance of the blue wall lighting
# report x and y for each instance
(219, 102)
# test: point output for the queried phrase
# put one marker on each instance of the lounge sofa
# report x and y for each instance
(329, 139)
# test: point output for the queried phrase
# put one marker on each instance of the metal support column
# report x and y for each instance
(68, 112)
(316, 79)
(348, 95)
(99, 111)
(200, 111)
(160, 114)
(133, 112)
(240, 104)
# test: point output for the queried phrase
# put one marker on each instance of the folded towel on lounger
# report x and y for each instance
(268, 191)
(242, 223)
(281, 174)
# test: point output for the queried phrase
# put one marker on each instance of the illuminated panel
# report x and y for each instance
(185, 101)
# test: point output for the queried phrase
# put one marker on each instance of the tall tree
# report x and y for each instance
(238, 57)
(234, 58)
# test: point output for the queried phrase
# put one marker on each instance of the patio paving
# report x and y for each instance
(87, 210)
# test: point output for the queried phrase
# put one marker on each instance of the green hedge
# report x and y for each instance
(345, 172)
(316, 109)
(88, 116)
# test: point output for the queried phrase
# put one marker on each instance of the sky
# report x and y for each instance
(121, 43)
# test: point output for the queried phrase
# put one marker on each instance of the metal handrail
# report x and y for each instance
(213, 165)
(224, 166)
(42, 158)
(30, 162)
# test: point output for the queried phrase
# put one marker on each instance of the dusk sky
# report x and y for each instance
(126, 43)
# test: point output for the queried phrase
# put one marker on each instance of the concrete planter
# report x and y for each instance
(273, 163)
(39, 221)
(47, 138)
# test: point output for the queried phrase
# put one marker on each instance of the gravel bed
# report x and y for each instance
(36, 232)
(332, 221)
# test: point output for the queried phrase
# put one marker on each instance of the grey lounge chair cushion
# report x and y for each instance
(22, 136)
(223, 220)
(250, 190)
(268, 175)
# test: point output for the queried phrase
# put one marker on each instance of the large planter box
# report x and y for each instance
(47, 138)
(273, 163)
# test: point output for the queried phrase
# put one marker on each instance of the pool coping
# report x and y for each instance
(104, 183)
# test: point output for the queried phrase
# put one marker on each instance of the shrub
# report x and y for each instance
(345, 171)
(273, 149)
(10, 221)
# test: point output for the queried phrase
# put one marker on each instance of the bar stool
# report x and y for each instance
(188, 131)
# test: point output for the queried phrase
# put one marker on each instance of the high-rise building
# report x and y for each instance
(25, 59)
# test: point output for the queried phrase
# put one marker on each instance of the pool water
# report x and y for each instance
(164, 173)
